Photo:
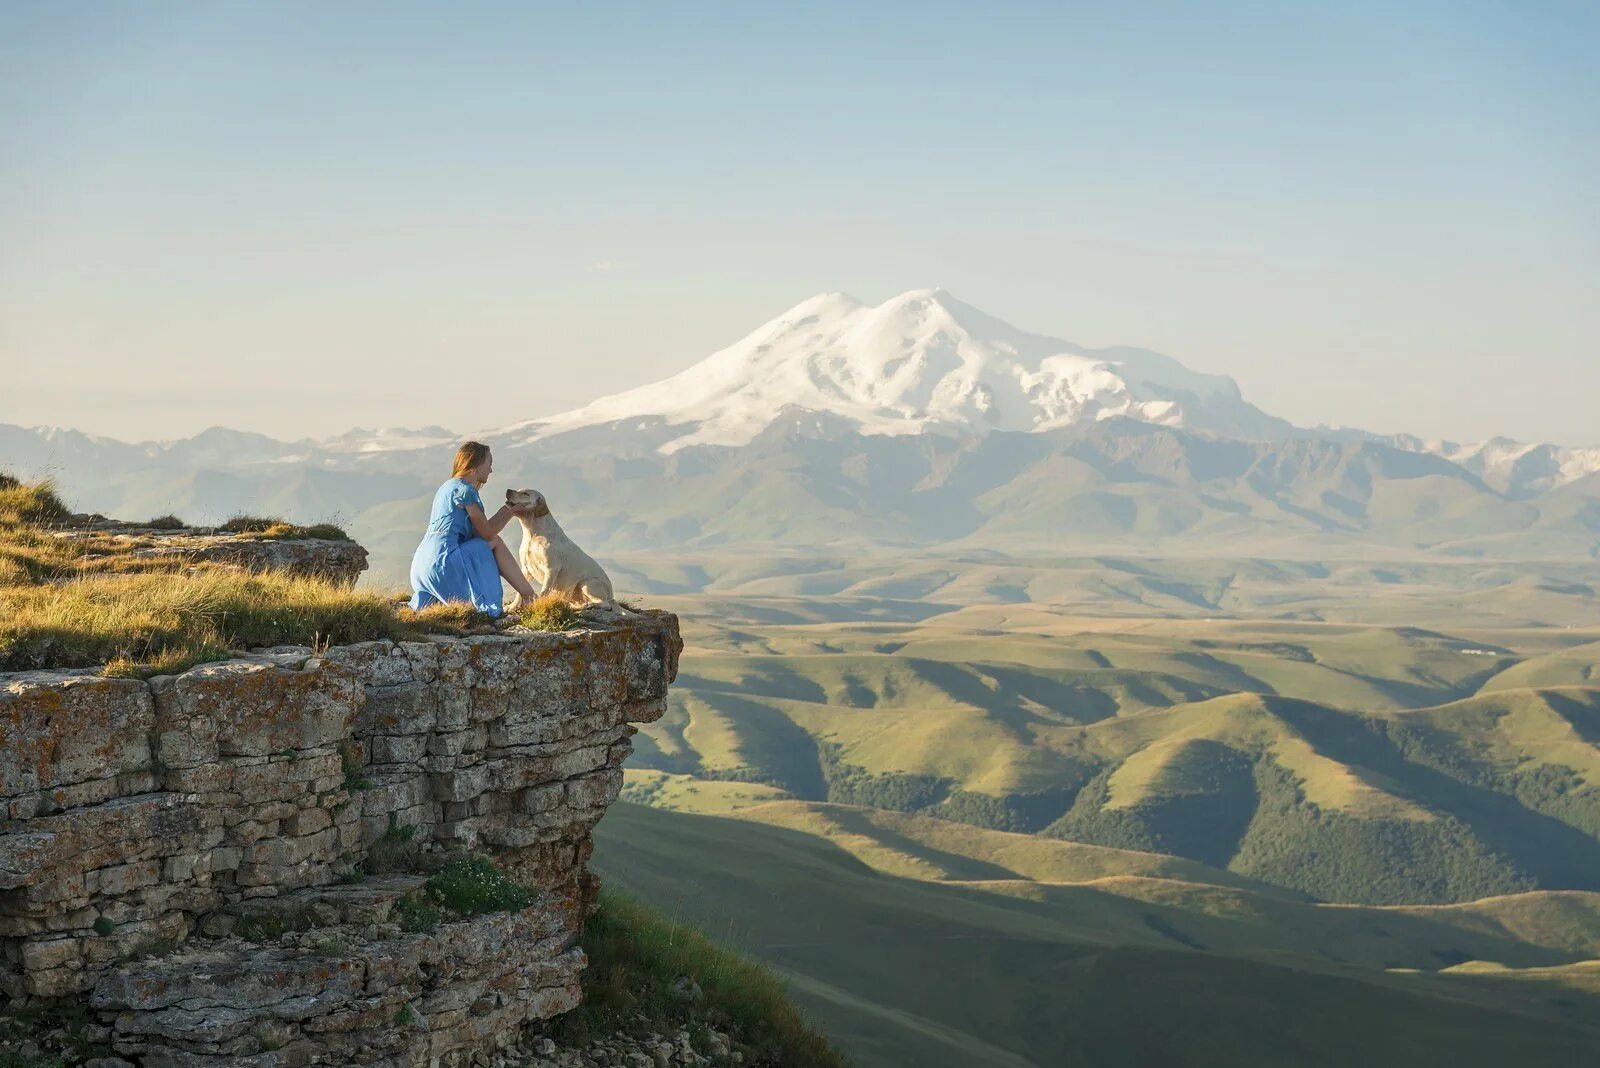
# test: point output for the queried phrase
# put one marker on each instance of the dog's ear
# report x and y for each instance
(540, 508)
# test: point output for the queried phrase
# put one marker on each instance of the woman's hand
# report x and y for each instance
(488, 527)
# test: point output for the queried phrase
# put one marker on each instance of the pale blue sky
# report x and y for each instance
(299, 217)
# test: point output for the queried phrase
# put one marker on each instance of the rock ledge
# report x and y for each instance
(187, 855)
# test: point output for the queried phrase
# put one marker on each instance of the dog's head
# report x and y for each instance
(522, 498)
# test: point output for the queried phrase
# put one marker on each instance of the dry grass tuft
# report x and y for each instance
(262, 527)
(250, 524)
(550, 612)
(33, 504)
(457, 617)
(316, 531)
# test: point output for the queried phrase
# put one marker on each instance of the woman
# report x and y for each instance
(462, 556)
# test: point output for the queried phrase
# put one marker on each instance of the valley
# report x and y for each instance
(1248, 809)
(1022, 958)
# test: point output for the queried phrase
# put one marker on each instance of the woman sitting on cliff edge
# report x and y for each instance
(462, 556)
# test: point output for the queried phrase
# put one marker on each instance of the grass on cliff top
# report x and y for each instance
(636, 955)
(271, 528)
(159, 623)
(31, 503)
(549, 612)
(29, 551)
(86, 602)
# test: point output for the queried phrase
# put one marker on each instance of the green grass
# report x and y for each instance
(637, 954)
(473, 885)
(462, 887)
(416, 914)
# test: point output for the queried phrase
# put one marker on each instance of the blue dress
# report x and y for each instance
(454, 563)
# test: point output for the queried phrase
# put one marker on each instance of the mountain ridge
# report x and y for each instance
(1082, 385)
(919, 421)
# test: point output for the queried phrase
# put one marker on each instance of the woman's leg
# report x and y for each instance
(511, 570)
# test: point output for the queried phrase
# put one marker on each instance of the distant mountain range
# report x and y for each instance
(920, 421)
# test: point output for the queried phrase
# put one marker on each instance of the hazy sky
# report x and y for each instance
(301, 217)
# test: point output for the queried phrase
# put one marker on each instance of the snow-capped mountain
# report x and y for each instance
(919, 421)
(922, 361)
(1516, 468)
(1520, 467)
(388, 439)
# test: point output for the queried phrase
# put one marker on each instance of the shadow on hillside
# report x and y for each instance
(774, 749)
(906, 972)
(1555, 854)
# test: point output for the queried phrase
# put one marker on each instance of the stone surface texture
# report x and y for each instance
(194, 855)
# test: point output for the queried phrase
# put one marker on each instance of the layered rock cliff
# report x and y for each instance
(232, 865)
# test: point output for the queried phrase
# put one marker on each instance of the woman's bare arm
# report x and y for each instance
(489, 527)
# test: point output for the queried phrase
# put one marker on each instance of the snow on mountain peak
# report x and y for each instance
(920, 361)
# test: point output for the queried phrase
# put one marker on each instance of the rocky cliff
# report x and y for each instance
(241, 864)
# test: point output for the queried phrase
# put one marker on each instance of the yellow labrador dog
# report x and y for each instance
(550, 559)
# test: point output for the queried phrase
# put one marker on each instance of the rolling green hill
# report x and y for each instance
(1131, 812)
(1010, 950)
(1346, 762)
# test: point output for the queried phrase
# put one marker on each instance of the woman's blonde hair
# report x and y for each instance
(470, 455)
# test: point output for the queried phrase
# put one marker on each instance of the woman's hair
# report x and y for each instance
(470, 455)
